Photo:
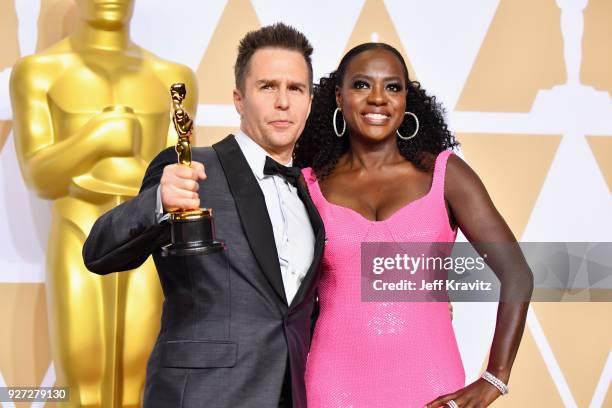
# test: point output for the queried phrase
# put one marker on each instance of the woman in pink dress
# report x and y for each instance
(379, 169)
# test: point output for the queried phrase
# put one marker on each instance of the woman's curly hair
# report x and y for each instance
(319, 147)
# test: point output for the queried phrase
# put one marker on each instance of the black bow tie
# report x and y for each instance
(291, 174)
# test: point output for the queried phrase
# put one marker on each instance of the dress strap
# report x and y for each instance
(313, 185)
(440, 170)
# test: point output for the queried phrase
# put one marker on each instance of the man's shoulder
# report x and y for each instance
(223, 148)
(202, 153)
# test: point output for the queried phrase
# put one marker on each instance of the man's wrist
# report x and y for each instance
(160, 214)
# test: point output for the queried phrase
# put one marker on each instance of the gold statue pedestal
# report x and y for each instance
(192, 233)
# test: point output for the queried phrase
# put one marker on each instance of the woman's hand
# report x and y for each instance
(478, 394)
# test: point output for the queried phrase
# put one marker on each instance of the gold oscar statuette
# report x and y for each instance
(192, 231)
(89, 114)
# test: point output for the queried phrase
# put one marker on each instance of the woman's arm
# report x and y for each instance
(473, 211)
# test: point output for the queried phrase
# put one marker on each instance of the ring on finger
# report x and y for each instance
(452, 404)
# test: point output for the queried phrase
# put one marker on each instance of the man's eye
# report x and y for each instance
(360, 85)
(267, 86)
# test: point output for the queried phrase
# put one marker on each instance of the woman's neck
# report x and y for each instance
(372, 156)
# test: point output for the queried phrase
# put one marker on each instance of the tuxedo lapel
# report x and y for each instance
(319, 233)
(252, 210)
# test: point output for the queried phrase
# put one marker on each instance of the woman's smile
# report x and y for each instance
(376, 118)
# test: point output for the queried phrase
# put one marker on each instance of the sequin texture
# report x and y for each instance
(379, 354)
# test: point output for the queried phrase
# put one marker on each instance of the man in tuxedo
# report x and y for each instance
(236, 324)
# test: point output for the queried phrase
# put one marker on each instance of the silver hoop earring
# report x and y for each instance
(415, 130)
(334, 123)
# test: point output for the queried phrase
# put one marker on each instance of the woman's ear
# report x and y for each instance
(338, 98)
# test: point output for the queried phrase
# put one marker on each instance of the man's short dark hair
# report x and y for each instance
(277, 35)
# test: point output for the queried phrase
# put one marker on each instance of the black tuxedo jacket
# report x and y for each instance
(227, 333)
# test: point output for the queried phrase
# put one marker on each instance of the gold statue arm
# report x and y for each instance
(41, 156)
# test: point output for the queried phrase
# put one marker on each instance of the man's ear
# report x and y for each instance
(338, 98)
(238, 101)
(309, 105)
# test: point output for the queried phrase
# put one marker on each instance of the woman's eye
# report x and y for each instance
(394, 87)
(360, 85)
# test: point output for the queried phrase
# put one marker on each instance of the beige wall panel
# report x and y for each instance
(602, 150)
(521, 54)
(513, 169)
(5, 129)
(530, 383)
(596, 67)
(208, 135)
(9, 51)
(25, 352)
(56, 20)
(374, 19)
(216, 71)
(580, 336)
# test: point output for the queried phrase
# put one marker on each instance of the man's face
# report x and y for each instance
(276, 99)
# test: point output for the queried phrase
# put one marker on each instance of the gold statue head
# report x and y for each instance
(178, 92)
(106, 14)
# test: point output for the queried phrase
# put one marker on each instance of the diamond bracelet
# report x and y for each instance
(496, 382)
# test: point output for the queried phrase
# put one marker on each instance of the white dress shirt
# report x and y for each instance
(293, 234)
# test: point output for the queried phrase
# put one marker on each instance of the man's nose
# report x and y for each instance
(282, 99)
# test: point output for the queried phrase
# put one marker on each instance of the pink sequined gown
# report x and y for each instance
(375, 354)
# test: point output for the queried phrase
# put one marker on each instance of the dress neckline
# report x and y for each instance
(395, 213)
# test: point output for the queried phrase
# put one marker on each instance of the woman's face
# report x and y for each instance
(373, 95)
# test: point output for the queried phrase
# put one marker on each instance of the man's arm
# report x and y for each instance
(124, 237)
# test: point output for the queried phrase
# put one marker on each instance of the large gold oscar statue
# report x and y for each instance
(90, 113)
